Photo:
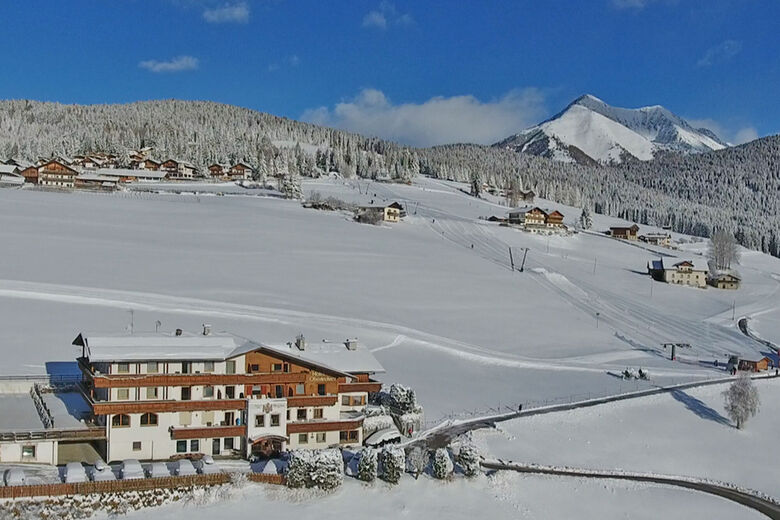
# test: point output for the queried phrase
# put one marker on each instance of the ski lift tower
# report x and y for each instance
(673, 348)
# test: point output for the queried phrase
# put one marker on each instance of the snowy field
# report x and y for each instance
(432, 296)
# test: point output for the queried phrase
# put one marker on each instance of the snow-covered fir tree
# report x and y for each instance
(367, 465)
(393, 463)
(441, 464)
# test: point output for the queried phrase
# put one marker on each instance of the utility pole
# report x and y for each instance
(597, 319)
(511, 259)
(522, 266)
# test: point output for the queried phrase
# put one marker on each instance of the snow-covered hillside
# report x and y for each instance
(591, 130)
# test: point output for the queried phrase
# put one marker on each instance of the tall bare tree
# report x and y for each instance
(723, 251)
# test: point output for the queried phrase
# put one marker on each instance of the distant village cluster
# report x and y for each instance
(106, 171)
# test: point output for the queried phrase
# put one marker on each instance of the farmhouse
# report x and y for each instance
(390, 213)
(95, 181)
(680, 272)
(56, 174)
(217, 170)
(166, 395)
(536, 219)
(126, 175)
(724, 280)
(624, 233)
(30, 174)
(240, 171)
(657, 239)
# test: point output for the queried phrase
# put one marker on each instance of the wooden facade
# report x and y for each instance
(624, 233)
(30, 175)
(56, 174)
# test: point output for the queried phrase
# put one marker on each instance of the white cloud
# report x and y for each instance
(178, 64)
(291, 61)
(439, 120)
(744, 135)
(629, 4)
(228, 13)
(720, 53)
(732, 136)
(386, 14)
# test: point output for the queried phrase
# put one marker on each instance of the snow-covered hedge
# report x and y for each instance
(441, 467)
(322, 469)
(468, 459)
(367, 465)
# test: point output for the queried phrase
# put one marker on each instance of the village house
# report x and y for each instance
(392, 212)
(56, 174)
(9, 175)
(94, 181)
(657, 239)
(178, 170)
(624, 233)
(162, 396)
(127, 175)
(240, 171)
(217, 170)
(724, 280)
(30, 174)
(679, 272)
(746, 365)
(537, 220)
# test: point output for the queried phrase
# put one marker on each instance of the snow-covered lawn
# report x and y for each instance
(681, 433)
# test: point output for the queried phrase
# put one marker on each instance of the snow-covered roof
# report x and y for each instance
(96, 177)
(668, 263)
(123, 172)
(338, 356)
(150, 346)
(8, 168)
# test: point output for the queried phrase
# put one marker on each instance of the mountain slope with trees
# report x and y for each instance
(737, 189)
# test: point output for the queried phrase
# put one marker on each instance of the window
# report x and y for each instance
(254, 368)
(257, 390)
(345, 400)
(279, 391)
(259, 421)
(152, 367)
(350, 436)
(276, 367)
(186, 393)
(321, 389)
(230, 392)
(151, 392)
(299, 389)
(321, 437)
(301, 415)
(136, 445)
(208, 366)
(120, 421)
(149, 419)
(28, 452)
(123, 368)
(303, 438)
(194, 445)
(286, 367)
(208, 392)
(185, 418)
(230, 367)
(227, 442)
(275, 419)
(208, 418)
(123, 394)
(288, 414)
(181, 446)
(318, 413)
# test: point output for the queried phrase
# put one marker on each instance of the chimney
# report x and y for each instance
(206, 329)
(351, 344)
(178, 332)
(300, 342)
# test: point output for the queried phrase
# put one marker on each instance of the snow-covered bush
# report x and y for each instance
(416, 461)
(322, 469)
(468, 459)
(393, 463)
(441, 466)
(741, 400)
(402, 398)
(367, 465)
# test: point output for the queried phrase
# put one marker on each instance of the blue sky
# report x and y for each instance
(418, 72)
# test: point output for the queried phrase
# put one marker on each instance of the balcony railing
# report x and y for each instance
(323, 426)
(141, 380)
(207, 432)
(370, 387)
(311, 400)
(125, 407)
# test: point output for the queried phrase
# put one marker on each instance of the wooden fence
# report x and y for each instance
(121, 486)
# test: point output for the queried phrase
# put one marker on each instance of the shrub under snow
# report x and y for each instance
(442, 464)
(468, 459)
(393, 463)
(367, 465)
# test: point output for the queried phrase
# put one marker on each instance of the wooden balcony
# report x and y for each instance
(141, 380)
(125, 407)
(311, 400)
(207, 432)
(323, 426)
(370, 387)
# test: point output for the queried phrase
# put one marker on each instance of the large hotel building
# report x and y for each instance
(161, 395)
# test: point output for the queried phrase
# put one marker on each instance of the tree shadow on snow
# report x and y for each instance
(699, 407)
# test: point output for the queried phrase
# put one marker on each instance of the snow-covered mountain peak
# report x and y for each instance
(590, 130)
